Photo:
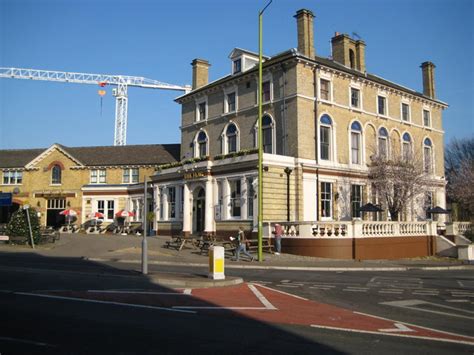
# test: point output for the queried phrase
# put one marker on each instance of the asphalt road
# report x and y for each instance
(43, 325)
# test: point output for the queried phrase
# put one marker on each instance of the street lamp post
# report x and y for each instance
(260, 135)
(144, 241)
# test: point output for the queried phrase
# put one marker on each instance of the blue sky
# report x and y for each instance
(159, 39)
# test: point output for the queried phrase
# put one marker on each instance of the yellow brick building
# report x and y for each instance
(86, 179)
(324, 118)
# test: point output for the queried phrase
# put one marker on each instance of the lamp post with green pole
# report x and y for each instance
(260, 135)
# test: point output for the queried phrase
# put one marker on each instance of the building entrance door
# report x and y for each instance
(53, 218)
(199, 211)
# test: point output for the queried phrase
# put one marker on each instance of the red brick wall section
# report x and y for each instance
(361, 248)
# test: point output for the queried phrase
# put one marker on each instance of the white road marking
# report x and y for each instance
(102, 302)
(459, 301)
(261, 297)
(220, 308)
(25, 341)
(399, 327)
(187, 291)
(283, 281)
(260, 282)
(394, 292)
(411, 304)
(460, 283)
(354, 290)
(396, 335)
(140, 292)
(283, 293)
(320, 288)
(291, 286)
(324, 285)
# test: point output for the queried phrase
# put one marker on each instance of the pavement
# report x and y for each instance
(127, 249)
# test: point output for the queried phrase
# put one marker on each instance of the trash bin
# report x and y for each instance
(216, 263)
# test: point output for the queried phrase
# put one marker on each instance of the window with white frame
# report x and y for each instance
(383, 143)
(56, 175)
(107, 208)
(250, 194)
(130, 176)
(382, 105)
(98, 176)
(13, 177)
(326, 199)
(235, 198)
(231, 135)
(325, 89)
(426, 118)
(171, 202)
(201, 111)
(237, 66)
(325, 137)
(201, 145)
(161, 197)
(356, 200)
(356, 143)
(56, 203)
(428, 203)
(355, 98)
(428, 156)
(405, 112)
(230, 102)
(407, 147)
(267, 134)
(266, 91)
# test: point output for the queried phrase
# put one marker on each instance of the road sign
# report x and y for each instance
(6, 198)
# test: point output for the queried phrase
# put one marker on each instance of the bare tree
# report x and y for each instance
(399, 180)
(459, 165)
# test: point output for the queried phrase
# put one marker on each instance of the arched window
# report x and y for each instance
(383, 143)
(201, 145)
(231, 138)
(356, 139)
(267, 133)
(325, 137)
(406, 148)
(56, 174)
(428, 155)
(351, 58)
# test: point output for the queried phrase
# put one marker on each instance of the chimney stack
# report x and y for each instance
(304, 22)
(200, 72)
(427, 69)
(348, 51)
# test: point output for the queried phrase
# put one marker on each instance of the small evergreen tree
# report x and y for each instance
(18, 225)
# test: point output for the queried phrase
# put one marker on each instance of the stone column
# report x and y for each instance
(186, 210)
(244, 189)
(209, 210)
(225, 212)
(165, 204)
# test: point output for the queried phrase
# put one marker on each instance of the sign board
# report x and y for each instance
(6, 198)
(194, 175)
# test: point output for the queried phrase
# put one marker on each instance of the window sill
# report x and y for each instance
(55, 184)
(356, 109)
(11, 185)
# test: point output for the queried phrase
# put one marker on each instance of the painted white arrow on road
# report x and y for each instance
(399, 328)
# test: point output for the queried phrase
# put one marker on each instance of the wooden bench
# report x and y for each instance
(267, 245)
(179, 242)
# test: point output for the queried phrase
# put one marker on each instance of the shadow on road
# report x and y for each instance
(33, 324)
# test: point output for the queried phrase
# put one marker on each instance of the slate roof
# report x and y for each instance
(148, 154)
(280, 57)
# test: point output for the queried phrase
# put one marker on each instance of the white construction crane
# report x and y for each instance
(121, 81)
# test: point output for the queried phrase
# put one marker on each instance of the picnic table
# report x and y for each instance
(179, 241)
(267, 245)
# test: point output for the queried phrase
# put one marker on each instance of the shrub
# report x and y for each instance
(18, 225)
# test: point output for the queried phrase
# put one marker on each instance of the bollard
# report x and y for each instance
(216, 263)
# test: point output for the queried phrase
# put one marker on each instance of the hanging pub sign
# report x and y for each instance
(194, 175)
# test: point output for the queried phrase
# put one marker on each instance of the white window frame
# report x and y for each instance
(60, 175)
(14, 177)
(129, 172)
(430, 119)
(331, 202)
(241, 65)
(410, 146)
(329, 80)
(239, 199)
(384, 96)
(332, 143)
(225, 140)
(361, 148)
(99, 177)
(197, 117)
(196, 149)
(265, 78)
(404, 102)
(386, 142)
(172, 203)
(354, 86)
(273, 133)
(431, 169)
(106, 207)
(352, 201)
(232, 90)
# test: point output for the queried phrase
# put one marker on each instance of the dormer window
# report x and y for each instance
(237, 66)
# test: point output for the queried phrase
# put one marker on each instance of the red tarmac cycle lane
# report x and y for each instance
(260, 303)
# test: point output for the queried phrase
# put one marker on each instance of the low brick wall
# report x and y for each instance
(361, 248)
